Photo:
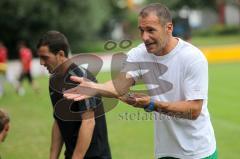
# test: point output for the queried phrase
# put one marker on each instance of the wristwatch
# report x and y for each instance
(150, 107)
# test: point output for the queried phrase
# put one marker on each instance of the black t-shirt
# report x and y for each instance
(69, 129)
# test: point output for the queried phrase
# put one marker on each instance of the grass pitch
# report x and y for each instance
(130, 131)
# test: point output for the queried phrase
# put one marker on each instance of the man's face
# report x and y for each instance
(153, 34)
(48, 59)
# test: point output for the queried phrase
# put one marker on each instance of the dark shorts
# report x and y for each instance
(25, 75)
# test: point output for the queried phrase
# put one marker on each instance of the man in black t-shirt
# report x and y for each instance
(81, 126)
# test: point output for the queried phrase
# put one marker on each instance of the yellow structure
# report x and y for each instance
(226, 53)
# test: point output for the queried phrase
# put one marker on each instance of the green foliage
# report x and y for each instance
(178, 4)
(29, 19)
(132, 21)
(218, 30)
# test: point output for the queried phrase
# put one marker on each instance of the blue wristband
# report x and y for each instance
(150, 107)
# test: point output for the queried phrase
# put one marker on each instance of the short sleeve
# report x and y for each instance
(90, 103)
(131, 66)
(196, 81)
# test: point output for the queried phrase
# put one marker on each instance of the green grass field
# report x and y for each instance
(200, 41)
(31, 119)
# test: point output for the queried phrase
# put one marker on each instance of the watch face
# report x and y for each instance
(150, 107)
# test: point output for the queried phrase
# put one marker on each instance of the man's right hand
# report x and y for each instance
(84, 90)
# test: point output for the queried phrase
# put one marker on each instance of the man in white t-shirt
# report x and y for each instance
(176, 75)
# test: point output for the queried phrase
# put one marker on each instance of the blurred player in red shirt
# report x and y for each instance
(25, 55)
(3, 66)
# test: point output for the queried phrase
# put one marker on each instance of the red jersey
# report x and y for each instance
(3, 55)
(26, 58)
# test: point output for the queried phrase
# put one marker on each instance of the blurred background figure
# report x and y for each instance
(4, 125)
(3, 66)
(25, 55)
(182, 28)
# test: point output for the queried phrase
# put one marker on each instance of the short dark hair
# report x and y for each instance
(4, 119)
(55, 41)
(161, 11)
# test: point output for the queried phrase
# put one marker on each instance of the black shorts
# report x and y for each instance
(26, 75)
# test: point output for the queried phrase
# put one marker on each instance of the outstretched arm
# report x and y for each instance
(189, 109)
(86, 88)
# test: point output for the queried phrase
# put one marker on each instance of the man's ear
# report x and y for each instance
(61, 53)
(169, 28)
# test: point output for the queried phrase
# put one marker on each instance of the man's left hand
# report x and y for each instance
(139, 100)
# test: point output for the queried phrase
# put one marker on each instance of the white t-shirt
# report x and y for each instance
(180, 75)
